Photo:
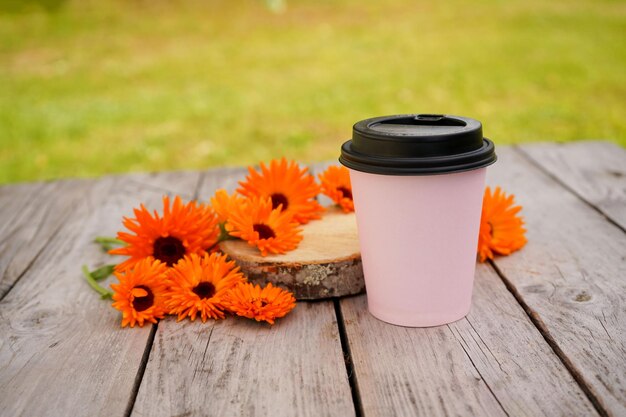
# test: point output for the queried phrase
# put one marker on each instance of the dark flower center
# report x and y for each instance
(145, 302)
(204, 290)
(264, 231)
(169, 250)
(278, 199)
(345, 192)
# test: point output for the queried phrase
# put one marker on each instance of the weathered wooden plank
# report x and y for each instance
(596, 171)
(487, 362)
(493, 362)
(30, 214)
(412, 372)
(62, 351)
(570, 276)
(227, 178)
(181, 183)
(13, 197)
(238, 367)
(512, 356)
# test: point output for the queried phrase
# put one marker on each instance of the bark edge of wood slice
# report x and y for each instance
(327, 263)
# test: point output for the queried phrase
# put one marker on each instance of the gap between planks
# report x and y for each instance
(543, 330)
(350, 371)
(537, 161)
(494, 362)
(89, 367)
(141, 370)
(199, 184)
(32, 217)
(535, 317)
(315, 170)
(217, 367)
(529, 153)
(150, 342)
(579, 254)
(485, 381)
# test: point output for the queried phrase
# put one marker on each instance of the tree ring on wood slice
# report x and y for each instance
(327, 263)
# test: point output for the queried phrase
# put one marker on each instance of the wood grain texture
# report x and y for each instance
(181, 183)
(240, 367)
(326, 263)
(493, 362)
(596, 171)
(512, 357)
(412, 372)
(226, 178)
(570, 277)
(30, 215)
(495, 353)
(62, 350)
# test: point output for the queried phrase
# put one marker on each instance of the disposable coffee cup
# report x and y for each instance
(418, 184)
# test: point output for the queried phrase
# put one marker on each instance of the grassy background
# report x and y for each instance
(93, 87)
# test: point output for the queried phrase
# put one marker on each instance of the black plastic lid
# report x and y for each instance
(417, 144)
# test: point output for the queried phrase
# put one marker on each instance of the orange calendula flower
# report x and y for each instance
(224, 204)
(288, 186)
(336, 185)
(501, 229)
(140, 294)
(183, 229)
(270, 230)
(197, 285)
(261, 304)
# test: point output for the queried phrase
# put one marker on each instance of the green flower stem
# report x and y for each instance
(104, 293)
(223, 233)
(222, 237)
(111, 240)
(225, 237)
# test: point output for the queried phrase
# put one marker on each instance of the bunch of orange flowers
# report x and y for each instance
(271, 204)
(206, 286)
(174, 265)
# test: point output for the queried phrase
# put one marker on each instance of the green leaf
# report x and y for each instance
(103, 272)
(104, 293)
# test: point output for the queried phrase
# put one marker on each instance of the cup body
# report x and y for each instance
(418, 236)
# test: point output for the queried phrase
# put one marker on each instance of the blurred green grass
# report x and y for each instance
(93, 87)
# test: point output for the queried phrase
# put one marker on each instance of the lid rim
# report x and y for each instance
(421, 144)
(400, 171)
(474, 159)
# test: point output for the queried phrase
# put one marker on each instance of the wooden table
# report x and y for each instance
(546, 335)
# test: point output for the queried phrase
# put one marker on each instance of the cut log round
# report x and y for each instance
(327, 263)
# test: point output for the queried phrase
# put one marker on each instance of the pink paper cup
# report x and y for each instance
(417, 184)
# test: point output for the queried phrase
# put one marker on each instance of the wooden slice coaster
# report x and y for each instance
(326, 264)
